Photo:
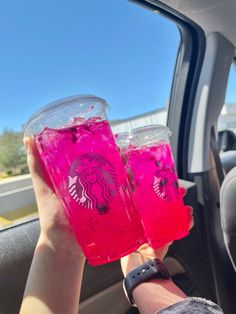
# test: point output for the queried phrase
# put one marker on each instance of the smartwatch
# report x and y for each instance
(152, 269)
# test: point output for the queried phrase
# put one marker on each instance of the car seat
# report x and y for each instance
(228, 213)
(226, 140)
(228, 160)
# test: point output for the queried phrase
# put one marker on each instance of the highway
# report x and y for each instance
(17, 201)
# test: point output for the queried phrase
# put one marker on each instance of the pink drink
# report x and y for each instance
(88, 175)
(156, 194)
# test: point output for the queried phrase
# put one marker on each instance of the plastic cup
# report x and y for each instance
(157, 196)
(76, 145)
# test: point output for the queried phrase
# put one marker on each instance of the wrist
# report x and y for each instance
(60, 248)
(156, 295)
(151, 270)
(134, 260)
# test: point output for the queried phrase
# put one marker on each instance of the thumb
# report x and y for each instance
(41, 181)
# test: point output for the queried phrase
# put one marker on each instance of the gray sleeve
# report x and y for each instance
(192, 306)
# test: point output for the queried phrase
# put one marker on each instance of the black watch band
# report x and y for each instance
(152, 269)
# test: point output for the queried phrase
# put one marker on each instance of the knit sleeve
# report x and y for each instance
(192, 306)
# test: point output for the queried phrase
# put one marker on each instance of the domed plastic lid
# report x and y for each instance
(66, 111)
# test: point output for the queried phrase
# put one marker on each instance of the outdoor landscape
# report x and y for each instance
(13, 155)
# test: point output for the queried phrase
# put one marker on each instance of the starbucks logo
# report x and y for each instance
(165, 182)
(92, 182)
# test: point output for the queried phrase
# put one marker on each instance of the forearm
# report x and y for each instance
(54, 281)
(156, 295)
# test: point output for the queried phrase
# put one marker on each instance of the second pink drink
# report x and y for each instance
(155, 185)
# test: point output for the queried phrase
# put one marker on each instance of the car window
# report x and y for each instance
(112, 49)
(227, 119)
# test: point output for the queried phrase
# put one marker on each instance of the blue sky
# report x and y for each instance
(110, 48)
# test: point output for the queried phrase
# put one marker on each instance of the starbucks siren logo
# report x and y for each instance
(165, 182)
(92, 182)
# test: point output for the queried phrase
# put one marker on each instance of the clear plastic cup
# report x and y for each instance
(157, 196)
(76, 145)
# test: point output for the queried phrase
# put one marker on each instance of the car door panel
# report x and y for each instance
(101, 285)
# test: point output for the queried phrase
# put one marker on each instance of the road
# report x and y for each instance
(17, 200)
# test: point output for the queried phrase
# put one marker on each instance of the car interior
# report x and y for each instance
(204, 263)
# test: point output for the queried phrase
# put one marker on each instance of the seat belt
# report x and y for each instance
(216, 156)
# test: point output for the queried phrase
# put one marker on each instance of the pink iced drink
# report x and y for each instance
(156, 194)
(88, 175)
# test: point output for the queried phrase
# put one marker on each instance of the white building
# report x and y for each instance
(158, 116)
(227, 119)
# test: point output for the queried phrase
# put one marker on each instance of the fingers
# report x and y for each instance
(182, 191)
(131, 261)
(41, 181)
(191, 224)
(148, 252)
